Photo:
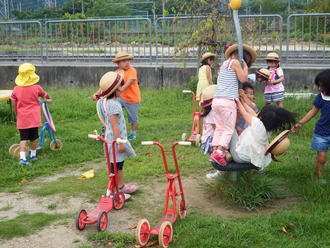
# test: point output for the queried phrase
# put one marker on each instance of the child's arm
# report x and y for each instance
(116, 133)
(245, 114)
(306, 119)
(245, 99)
(209, 75)
(98, 92)
(126, 85)
(242, 73)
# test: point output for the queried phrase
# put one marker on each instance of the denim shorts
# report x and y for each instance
(274, 97)
(132, 110)
(320, 143)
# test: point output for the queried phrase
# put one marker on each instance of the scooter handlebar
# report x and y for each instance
(93, 136)
(184, 143)
(187, 91)
(147, 143)
(121, 141)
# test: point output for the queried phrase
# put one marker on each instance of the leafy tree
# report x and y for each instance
(104, 8)
(318, 6)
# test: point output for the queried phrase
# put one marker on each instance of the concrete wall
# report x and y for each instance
(88, 75)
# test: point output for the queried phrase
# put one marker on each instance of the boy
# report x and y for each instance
(27, 109)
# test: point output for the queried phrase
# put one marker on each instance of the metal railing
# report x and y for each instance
(308, 37)
(93, 39)
(21, 40)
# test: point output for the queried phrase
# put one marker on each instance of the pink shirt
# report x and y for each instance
(208, 130)
(28, 106)
(276, 74)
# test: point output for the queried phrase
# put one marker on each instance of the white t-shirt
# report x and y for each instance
(252, 144)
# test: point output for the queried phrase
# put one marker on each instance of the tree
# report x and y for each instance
(104, 8)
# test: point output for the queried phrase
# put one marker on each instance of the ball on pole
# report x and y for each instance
(235, 4)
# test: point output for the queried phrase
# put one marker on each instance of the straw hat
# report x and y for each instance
(264, 73)
(207, 55)
(109, 83)
(26, 75)
(207, 95)
(122, 56)
(279, 145)
(247, 48)
(273, 56)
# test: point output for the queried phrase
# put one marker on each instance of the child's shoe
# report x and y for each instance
(219, 157)
(129, 189)
(34, 158)
(24, 162)
(213, 175)
(127, 196)
(132, 136)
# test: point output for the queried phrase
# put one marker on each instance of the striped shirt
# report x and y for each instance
(227, 84)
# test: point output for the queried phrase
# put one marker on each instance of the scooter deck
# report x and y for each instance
(168, 217)
(105, 204)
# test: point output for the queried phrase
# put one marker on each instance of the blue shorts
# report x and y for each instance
(320, 143)
(132, 110)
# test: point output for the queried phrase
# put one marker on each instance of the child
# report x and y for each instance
(321, 137)
(248, 97)
(110, 84)
(27, 109)
(130, 97)
(274, 90)
(204, 73)
(251, 145)
(223, 105)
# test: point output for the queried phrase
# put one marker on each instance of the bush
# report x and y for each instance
(192, 84)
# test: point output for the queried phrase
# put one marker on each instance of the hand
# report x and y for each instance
(121, 148)
(244, 64)
(49, 100)
(296, 127)
(241, 92)
(269, 82)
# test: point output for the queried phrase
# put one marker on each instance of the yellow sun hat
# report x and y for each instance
(26, 75)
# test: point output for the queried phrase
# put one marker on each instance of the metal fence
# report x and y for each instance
(308, 38)
(94, 39)
(166, 39)
(20, 40)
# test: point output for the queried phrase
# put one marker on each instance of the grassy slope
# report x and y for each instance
(164, 116)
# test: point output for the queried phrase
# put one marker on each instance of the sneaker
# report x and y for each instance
(132, 137)
(24, 162)
(34, 158)
(218, 157)
(129, 189)
(127, 196)
(213, 175)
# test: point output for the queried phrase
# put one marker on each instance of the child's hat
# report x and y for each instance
(279, 145)
(207, 95)
(26, 75)
(109, 83)
(273, 56)
(265, 73)
(247, 48)
(122, 56)
(207, 55)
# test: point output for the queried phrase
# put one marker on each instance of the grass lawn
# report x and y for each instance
(165, 115)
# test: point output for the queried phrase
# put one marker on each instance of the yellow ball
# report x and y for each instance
(235, 4)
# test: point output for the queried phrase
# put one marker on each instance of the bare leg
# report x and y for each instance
(134, 127)
(279, 104)
(120, 178)
(321, 159)
(33, 145)
(22, 145)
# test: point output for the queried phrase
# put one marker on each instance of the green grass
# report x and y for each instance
(25, 224)
(117, 240)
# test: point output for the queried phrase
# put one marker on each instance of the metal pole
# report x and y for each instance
(163, 8)
(239, 36)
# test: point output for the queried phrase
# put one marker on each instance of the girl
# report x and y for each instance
(251, 145)
(110, 84)
(204, 73)
(274, 90)
(223, 105)
(321, 137)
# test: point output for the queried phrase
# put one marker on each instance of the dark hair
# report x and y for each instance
(204, 61)
(246, 56)
(277, 62)
(112, 95)
(247, 85)
(275, 118)
(322, 80)
(206, 110)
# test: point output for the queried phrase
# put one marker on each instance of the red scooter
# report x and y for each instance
(164, 228)
(195, 136)
(113, 198)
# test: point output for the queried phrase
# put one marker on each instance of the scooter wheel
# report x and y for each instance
(12, 149)
(102, 221)
(80, 218)
(119, 200)
(53, 146)
(142, 232)
(184, 137)
(182, 209)
(165, 234)
(16, 152)
(198, 140)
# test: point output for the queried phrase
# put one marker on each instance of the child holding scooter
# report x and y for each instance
(27, 109)
(321, 137)
(110, 84)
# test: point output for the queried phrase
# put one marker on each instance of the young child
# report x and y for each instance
(204, 73)
(27, 109)
(321, 137)
(248, 97)
(251, 145)
(274, 89)
(110, 84)
(130, 97)
(223, 105)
